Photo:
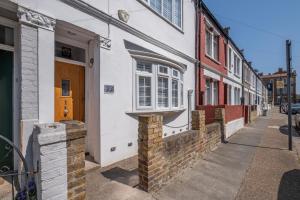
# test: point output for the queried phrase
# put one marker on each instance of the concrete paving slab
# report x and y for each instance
(220, 173)
(102, 188)
(275, 171)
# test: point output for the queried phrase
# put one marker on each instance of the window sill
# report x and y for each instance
(160, 112)
(212, 59)
(163, 18)
(237, 76)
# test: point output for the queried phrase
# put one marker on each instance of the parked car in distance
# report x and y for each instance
(295, 108)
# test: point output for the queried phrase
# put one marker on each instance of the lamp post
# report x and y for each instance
(288, 63)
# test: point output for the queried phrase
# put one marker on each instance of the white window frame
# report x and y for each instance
(213, 34)
(229, 59)
(144, 74)
(154, 86)
(169, 92)
(147, 2)
(210, 98)
(179, 82)
(237, 64)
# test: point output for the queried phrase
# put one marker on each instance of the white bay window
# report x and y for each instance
(158, 87)
(171, 10)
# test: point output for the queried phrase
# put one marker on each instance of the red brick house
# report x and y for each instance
(212, 48)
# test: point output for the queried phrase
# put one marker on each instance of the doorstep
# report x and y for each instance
(90, 164)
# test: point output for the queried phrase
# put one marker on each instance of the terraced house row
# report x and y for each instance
(105, 64)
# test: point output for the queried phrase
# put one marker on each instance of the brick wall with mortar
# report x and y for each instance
(160, 159)
(76, 160)
(58, 153)
(220, 118)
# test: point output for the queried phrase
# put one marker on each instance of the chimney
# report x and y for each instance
(226, 30)
(250, 63)
(280, 69)
(242, 51)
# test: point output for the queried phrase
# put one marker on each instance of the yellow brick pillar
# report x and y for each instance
(150, 147)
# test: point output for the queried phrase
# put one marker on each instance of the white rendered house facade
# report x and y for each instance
(235, 70)
(134, 56)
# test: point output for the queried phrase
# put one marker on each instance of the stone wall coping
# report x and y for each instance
(49, 133)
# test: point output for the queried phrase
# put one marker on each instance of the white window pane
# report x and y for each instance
(230, 58)
(163, 69)
(216, 93)
(175, 93)
(167, 9)
(208, 92)
(208, 43)
(175, 73)
(163, 92)
(181, 76)
(181, 94)
(144, 85)
(144, 67)
(156, 5)
(216, 47)
(177, 12)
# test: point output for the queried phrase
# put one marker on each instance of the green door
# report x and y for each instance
(6, 73)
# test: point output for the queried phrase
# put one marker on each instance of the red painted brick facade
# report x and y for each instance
(219, 66)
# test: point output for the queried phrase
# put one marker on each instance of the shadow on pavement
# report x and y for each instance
(123, 176)
(255, 146)
(284, 130)
(289, 188)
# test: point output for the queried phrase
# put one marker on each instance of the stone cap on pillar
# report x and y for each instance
(74, 129)
(57, 132)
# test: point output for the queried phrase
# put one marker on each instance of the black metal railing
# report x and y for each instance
(21, 180)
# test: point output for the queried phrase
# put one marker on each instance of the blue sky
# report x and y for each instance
(260, 27)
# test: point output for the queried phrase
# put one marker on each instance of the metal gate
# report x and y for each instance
(21, 180)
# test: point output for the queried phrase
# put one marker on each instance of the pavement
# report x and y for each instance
(254, 164)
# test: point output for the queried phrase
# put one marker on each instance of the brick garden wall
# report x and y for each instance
(233, 112)
(162, 158)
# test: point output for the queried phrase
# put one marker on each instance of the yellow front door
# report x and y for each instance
(69, 92)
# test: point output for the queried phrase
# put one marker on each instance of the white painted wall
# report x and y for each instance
(46, 75)
(115, 127)
(212, 75)
(118, 128)
(231, 74)
(233, 126)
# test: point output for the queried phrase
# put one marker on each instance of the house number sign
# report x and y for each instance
(109, 89)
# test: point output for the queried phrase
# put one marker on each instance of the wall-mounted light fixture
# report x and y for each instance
(91, 63)
(123, 15)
